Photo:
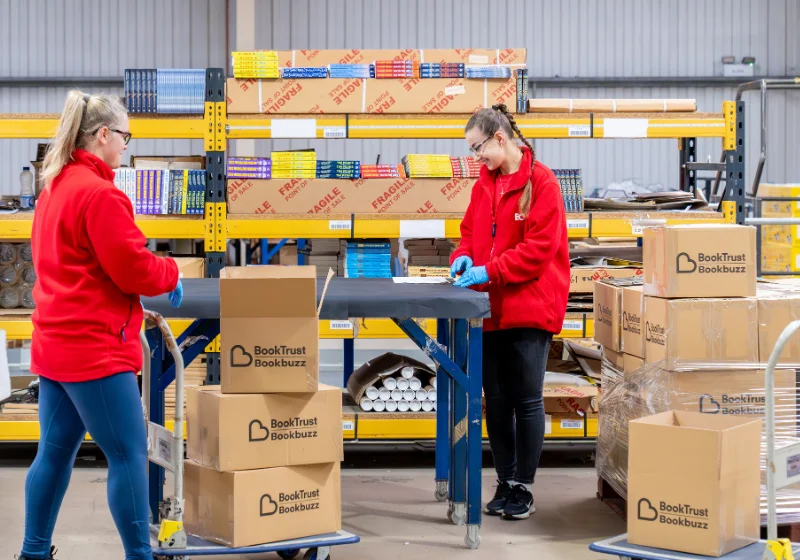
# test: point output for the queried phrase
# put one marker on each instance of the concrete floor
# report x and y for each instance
(392, 509)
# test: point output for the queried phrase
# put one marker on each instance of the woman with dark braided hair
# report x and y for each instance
(514, 246)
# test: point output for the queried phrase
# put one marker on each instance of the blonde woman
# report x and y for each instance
(92, 265)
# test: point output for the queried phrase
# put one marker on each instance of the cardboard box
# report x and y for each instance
(701, 260)
(607, 315)
(269, 329)
(368, 96)
(583, 277)
(191, 267)
(631, 363)
(569, 399)
(632, 325)
(713, 333)
(243, 432)
(776, 309)
(693, 482)
(350, 196)
(615, 358)
(247, 508)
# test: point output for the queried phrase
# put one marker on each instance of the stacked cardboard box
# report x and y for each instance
(264, 448)
(324, 255)
(428, 253)
(780, 245)
(694, 337)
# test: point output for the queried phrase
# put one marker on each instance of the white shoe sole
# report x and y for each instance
(518, 516)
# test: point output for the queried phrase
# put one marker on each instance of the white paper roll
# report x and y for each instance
(409, 395)
(403, 406)
(384, 394)
(422, 395)
(433, 382)
(427, 406)
(390, 383)
(372, 392)
(432, 394)
(415, 406)
(407, 372)
(414, 384)
(365, 404)
(402, 383)
(434, 405)
(379, 406)
(397, 395)
(391, 406)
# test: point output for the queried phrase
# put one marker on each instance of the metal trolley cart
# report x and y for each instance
(783, 469)
(166, 449)
(457, 352)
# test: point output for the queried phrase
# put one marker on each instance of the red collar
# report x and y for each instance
(88, 159)
(517, 180)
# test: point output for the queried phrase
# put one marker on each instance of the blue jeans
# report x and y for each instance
(514, 362)
(111, 409)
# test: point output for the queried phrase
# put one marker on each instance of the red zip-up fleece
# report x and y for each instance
(92, 265)
(527, 258)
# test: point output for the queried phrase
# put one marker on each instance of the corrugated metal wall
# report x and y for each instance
(572, 38)
(98, 38)
(586, 38)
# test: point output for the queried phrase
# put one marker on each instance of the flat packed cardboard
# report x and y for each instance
(368, 96)
(632, 325)
(616, 358)
(693, 482)
(631, 363)
(568, 399)
(583, 276)
(247, 508)
(607, 315)
(243, 432)
(701, 260)
(191, 267)
(776, 309)
(269, 329)
(325, 196)
(712, 333)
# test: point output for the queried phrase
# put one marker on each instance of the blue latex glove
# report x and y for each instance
(176, 295)
(473, 276)
(460, 266)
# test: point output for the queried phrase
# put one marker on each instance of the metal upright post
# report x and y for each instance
(733, 200)
(459, 427)
(474, 432)
(688, 154)
(443, 387)
(349, 345)
(156, 473)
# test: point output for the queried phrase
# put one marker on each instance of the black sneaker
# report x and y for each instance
(50, 557)
(498, 503)
(519, 504)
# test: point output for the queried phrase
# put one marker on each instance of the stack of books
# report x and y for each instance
(441, 70)
(255, 64)
(368, 259)
(324, 254)
(249, 168)
(301, 73)
(163, 191)
(351, 71)
(396, 69)
(338, 169)
(427, 165)
(382, 171)
(428, 253)
(465, 167)
(294, 165)
(165, 91)
(571, 188)
(489, 72)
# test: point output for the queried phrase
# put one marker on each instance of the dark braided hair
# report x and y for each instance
(489, 121)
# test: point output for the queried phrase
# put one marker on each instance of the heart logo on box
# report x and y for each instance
(268, 506)
(240, 357)
(707, 400)
(258, 431)
(684, 264)
(646, 510)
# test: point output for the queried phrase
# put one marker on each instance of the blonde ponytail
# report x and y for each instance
(83, 116)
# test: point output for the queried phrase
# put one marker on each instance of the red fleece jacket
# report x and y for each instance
(527, 258)
(92, 265)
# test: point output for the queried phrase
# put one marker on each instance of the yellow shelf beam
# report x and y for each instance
(285, 126)
(45, 125)
(334, 226)
(19, 226)
(686, 125)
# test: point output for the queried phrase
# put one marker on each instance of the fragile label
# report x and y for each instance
(341, 326)
(571, 424)
(339, 224)
(572, 325)
(579, 131)
(478, 59)
(455, 90)
(334, 132)
(577, 224)
(348, 425)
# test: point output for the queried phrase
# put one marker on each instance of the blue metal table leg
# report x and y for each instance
(349, 359)
(443, 382)
(459, 427)
(474, 433)
(156, 474)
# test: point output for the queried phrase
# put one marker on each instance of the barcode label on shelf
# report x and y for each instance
(339, 224)
(571, 424)
(341, 326)
(348, 425)
(572, 325)
(636, 229)
(334, 132)
(577, 224)
(579, 131)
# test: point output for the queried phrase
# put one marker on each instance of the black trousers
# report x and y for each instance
(514, 363)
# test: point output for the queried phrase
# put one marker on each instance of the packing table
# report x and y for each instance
(457, 353)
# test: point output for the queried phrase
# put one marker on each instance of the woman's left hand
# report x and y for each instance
(475, 275)
(176, 295)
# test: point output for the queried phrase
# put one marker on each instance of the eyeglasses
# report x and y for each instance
(126, 136)
(477, 149)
